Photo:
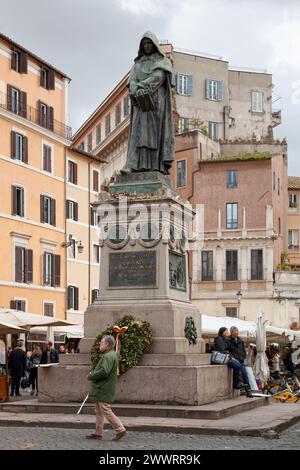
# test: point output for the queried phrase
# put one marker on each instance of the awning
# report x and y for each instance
(27, 320)
(7, 328)
(75, 331)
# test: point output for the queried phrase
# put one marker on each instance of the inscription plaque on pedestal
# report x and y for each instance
(132, 269)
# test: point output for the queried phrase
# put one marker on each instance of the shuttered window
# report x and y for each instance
(184, 84)
(48, 309)
(46, 115)
(51, 269)
(18, 305)
(95, 180)
(72, 172)
(257, 101)
(94, 217)
(18, 201)
(231, 215)
(19, 147)
(47, 78)
(256, 265)
(19, 61)
(98, 133)
(231, 312)
(48, 210)
(23, 264)
(118, 114)
(126, 106)
(73, 294)
(181, 173)
(213, 130)
(231, 265)
(72, 210)
(96, 253)
(107, 125)
(90, 142)
(16, 101)
(214, 90)
(207, 273)
(47, 158)
(231, 179)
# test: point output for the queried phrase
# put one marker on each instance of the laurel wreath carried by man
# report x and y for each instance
(135, 341)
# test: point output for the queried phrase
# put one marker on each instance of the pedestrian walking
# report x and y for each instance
(17, 367)
(35, 360)
(103, 388)
(49, 354)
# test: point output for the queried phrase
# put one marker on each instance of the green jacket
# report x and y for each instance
(104, 378)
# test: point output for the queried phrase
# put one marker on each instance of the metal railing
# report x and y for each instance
(35, 116)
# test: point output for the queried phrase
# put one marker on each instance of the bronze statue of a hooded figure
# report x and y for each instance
(151, 135)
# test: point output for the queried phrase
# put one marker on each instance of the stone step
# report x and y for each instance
(175, 359)
(212, 411)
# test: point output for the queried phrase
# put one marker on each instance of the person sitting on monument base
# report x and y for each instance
(103, 388)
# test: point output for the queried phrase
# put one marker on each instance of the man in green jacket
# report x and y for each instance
(103, 388)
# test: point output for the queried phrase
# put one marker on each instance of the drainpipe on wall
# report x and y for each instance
(65, 227)
(89, 232)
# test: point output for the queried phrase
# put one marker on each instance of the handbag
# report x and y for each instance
(220, 358)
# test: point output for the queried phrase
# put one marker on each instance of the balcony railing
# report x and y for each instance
(35, 116)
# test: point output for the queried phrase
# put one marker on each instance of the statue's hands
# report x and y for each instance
(140, 92)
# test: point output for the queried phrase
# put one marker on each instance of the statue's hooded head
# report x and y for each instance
(157, 48)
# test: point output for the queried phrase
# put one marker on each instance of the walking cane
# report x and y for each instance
(82, 405)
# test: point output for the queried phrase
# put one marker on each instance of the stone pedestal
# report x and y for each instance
(144, 272)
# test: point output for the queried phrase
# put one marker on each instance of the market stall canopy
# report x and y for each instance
(27, 320)
(6, 329)
(75, 331)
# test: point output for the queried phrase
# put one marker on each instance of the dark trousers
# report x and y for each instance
(238, 368)
(15, 385)
(33, 378)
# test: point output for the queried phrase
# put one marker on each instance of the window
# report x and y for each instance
(72, 210)
(279, 226)
(278, 186)
(72, 172)
(81, 146)
(16, 101)
(214, 90)
(118, 114)
(95, 294)
(19, 61)
(231, 312)
(207, 266)
(231, 265)
(181, 173)
(23, 264)
(96, 253)
(46, 115)
(94, 217)
(293, 200)
(231, 179)
(71, 253)
(48, 210)
(73, 297)
(48, 309)
(19, 147)
(257, 101)
(126, 106)
(184, 84)
(232, 215)
(51, 269)
(96, 181)
(107, 125)
(183, 125)
(213, 130)
(274, 181)
(293, 240)
(98, 133)
(47, 158)
(256, 265)
(18, 201)
(90, 142)
(18, 305)
(47, 78)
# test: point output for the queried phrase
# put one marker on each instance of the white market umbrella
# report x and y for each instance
(27, 320)
(261, 367)
(7, 329)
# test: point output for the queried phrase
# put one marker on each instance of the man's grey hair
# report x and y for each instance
(110, 341)
(233, 328)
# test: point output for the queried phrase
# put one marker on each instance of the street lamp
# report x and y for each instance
(75, 242)
(239, 298)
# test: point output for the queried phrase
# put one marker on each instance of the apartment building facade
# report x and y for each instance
(294, 222)
(34, 136)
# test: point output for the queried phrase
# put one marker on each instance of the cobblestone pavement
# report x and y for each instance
(23, 438)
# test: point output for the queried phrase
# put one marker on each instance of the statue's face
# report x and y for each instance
(148, 46)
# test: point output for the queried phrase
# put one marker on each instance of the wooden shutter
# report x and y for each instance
(40, 115)
(56, 269)
(44, 268)
(51, 79)
(9, 100)
(49, 158)
(23, 104)
(50, 116)
(177, 83)
(207, 89)
(13, 304)
(18, 264)
(13, 60)
(22, 202)
(53, 212)
(67, 210)
(25, 148)
(95, 180)
(14, 200)
(75, 211)
(76, 292)
(42, 75)
(219, 90)
(52, 270)
(42, 208)
(23, 62)
(190, 85)
(91, 216)
(28, 266)
(75, 173)
(44, 157)
(13, 144)
(69, 297)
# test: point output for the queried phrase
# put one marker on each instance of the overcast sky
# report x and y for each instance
(95, 41)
